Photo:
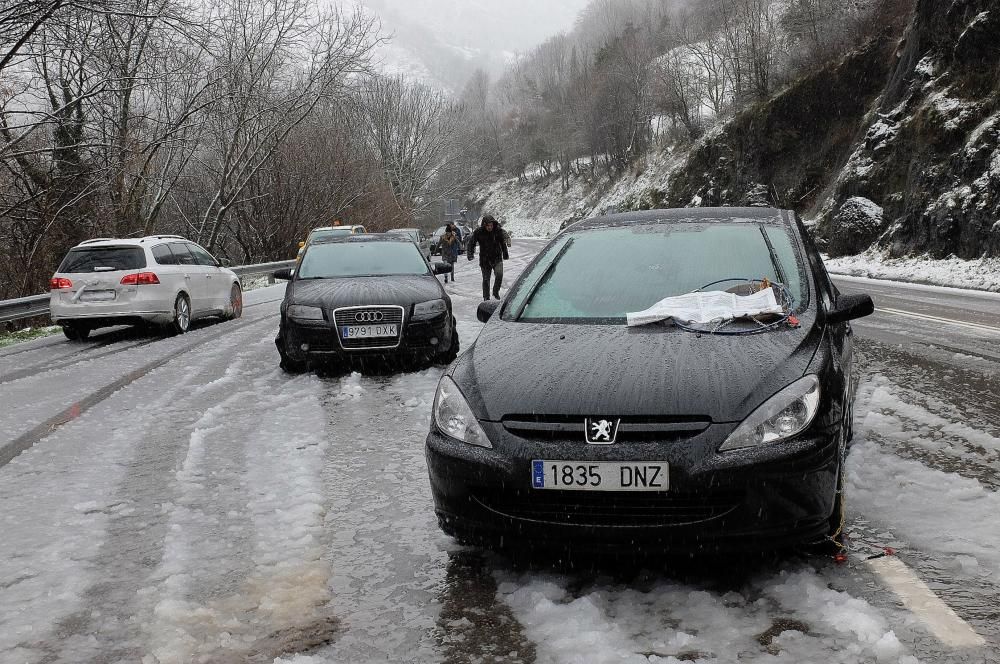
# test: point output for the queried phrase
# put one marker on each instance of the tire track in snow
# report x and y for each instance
(12, 448)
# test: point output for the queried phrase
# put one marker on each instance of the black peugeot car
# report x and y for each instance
(563, 423)
(364, 297)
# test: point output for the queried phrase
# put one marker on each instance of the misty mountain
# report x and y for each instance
(441, 42)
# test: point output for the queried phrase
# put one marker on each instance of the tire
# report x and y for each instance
(294, 367)
(235, 302)
(182, 315)
(449, 355)
(76, 332)
(287, 364)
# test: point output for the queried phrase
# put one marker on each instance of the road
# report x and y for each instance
(182, 500)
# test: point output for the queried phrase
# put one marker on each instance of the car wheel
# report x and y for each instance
(76, 332)
(449, 355)
(287, 364)
(182, 315)
(837, 523)
(235, 302)
(849, 423)
(290, 366)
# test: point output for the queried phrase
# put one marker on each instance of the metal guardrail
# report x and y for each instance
(38, 305)
(24, 307)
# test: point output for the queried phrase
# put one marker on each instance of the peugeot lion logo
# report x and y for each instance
(369, 317)
(601, 431)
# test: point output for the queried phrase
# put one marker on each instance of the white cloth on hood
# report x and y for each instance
(707, 307)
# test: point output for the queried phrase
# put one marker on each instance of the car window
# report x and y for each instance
(330, 232)
(202, 256)
(181, 253)
(603, 274)
(361, 259)
(163, 256)
(101, 259)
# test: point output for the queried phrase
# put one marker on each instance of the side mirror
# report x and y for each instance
(849, 307)
(225, 262)
(442, 268)
(284, 273)
(486, 310)
(301, 244)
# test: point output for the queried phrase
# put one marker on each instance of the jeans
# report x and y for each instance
(497, 269)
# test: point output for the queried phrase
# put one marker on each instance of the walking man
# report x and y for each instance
(492, 253)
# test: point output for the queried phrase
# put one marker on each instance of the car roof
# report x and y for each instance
(689, 215)
(335, 228)
(365, 237)
(129, 241)
(402, 230)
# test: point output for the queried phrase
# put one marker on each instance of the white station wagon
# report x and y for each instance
(161, 279)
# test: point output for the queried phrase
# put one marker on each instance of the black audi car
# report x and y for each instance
(565, 424)
(364, 297)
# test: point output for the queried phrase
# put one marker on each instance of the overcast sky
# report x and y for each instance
(494, 25)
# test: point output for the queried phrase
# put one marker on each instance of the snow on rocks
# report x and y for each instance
(857, 223)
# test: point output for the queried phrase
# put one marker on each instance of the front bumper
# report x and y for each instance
(320, 343)
(720, 503)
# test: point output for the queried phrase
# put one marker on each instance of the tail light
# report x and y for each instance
(59, 283)
(140, 279)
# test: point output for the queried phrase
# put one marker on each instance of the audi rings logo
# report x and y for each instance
(369, 317)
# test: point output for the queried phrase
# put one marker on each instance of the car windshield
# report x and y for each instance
(361, 259)
(600, 275)
(103, 259)
(408, 232)
(328, 233)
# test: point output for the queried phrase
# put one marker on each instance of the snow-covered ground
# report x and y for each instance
(216, 510)
(981, 274)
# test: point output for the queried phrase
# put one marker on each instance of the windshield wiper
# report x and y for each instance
(541, 279)
(778, 272)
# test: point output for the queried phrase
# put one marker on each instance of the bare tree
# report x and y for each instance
(413, 131)
(275, 61)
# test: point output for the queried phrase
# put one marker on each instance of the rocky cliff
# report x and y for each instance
(898, 144)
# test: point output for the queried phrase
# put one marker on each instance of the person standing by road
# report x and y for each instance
(451, 245)
(492, 253)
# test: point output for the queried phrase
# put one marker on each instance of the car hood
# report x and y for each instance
(612, 370)
(359, 291)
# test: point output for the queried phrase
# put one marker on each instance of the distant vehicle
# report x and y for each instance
(364, 297)
(567, 424)
(328, 232)
(161, 279)
(418, 237)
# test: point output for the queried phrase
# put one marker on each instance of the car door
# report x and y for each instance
(170, 274)
(193, 276)
(217, 281)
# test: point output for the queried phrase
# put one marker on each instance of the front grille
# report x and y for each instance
(631, 429)
(390, 315)
(612, 509)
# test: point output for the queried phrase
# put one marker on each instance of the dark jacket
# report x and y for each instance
(492, 246)
(451, 246)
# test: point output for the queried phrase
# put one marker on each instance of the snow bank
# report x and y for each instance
(979, 274)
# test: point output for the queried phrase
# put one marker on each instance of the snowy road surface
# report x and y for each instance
(181, 500)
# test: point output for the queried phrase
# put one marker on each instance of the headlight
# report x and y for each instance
(429, 309)
(453, 416)
(302, 312)
(784, 415)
